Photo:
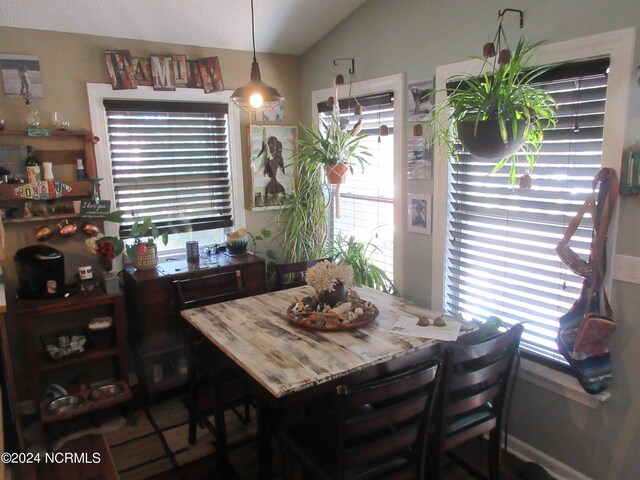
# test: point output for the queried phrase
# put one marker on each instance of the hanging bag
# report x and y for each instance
(586, 329)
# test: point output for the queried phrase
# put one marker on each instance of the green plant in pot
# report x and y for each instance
(358, 254)
(499, 114)
(334, 147)
(144, 252)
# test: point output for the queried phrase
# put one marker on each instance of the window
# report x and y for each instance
(500, 241)
(366, 209)
(170, 162)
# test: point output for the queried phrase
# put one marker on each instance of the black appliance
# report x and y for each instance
(40, 270)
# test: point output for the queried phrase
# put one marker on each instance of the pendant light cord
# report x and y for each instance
(253, 32)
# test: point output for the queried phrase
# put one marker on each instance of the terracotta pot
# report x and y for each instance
(338, 295)
(336, 174)
(485, 141)
(146, 257)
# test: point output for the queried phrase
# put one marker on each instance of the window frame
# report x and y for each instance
(98, 92)
(395, 83)
(619, 45)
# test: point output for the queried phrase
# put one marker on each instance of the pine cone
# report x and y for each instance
(488, 50)
(504, 57)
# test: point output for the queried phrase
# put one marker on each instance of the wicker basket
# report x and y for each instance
(147, 259)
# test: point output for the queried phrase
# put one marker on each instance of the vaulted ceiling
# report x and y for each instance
(281, 26)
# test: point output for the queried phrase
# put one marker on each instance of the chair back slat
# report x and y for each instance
(479, 373)
(290, 275)
(381, 419)
(473, 401)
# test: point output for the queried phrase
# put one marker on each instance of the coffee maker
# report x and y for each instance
(40, 270)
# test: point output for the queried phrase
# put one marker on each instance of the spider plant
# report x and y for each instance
(501, 94)
(358, 255)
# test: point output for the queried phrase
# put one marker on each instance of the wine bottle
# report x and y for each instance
(80, 173)
(33, 167)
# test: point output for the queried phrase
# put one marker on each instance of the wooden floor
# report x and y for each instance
(208, 469)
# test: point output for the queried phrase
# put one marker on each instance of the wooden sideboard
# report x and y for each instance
(155, 330)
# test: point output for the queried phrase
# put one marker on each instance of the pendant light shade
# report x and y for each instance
(256, 96)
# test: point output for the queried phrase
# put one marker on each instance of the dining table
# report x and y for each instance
(288, 364)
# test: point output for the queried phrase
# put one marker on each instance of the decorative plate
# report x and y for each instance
(358, 314)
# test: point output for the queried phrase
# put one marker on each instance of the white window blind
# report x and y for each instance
(366, 198)
(500, 243)
(170, 162)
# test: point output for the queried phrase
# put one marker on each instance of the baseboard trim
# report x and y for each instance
(555, 468)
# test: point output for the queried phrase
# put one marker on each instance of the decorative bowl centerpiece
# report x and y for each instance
(334, 306)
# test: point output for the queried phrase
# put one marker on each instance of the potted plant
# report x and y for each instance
(498, 114)
(358, 255)
(144, 252)
(337, 149)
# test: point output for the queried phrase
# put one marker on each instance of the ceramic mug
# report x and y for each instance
(66, 228)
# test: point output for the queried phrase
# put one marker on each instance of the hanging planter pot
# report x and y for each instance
(336, 174)
(483, 140)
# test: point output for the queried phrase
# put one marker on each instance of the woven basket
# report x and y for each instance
(147, 259)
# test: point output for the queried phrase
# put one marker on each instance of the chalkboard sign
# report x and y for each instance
(90, 209)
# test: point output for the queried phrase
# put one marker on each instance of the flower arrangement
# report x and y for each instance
(103, 246)
(324, 276)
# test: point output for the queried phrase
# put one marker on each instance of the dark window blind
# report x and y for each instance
(170, 162)
(500, 243)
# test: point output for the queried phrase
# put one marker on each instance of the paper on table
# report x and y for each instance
(409, 326)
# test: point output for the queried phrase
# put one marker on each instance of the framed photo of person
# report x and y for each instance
(419, 213)
(271, 149)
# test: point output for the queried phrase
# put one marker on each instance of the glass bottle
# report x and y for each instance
(31, 116)
(80, 172)
(33, 167)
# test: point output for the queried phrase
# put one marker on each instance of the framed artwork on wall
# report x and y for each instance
(271, 148)
(420, 101)
(21, 76)
(419, 213)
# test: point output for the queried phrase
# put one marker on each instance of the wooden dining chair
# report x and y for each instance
(206, 369)
(473, 397)
(377, 430)
(290, 275)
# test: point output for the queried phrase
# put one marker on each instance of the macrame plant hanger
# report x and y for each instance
(335, 123)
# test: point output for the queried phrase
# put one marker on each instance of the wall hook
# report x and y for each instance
(352, 70)
(502, 12)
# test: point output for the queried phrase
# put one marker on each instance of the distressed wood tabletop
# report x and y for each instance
(284, 358)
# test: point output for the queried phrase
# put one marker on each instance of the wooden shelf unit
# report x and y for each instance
(31, 313)
(60, 148)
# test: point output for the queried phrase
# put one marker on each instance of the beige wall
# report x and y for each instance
(68, 62)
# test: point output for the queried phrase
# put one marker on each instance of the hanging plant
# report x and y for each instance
(497, 115)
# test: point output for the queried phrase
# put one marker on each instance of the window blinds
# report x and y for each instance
(500, 246)
(170, 162)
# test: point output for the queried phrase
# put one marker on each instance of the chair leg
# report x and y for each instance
(495, 454)
(221, 434)
(193, 394)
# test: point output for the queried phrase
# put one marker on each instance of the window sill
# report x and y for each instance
(560, 383)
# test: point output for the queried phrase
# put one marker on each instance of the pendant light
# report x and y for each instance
(255, 96)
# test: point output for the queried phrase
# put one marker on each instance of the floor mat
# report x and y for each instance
(157, 442)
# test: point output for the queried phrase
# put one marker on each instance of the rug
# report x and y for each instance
(155, 441)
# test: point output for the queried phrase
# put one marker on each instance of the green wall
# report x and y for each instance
(414, 36)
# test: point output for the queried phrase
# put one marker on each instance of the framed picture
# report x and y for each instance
(21, 76)
(120, 69)
(194, 79)
(271, 177)
(421, 100)
(180, 70)
(142, 71)
(162, 73)
(419, 213)
(420, 157)
(211, 74)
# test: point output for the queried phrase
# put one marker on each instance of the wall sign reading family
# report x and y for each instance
(163, 72)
